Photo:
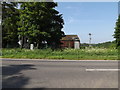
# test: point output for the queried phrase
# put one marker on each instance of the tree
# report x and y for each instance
(32, 22)
(56, 23)
(117, 32)
(39, 22)
(9, 26)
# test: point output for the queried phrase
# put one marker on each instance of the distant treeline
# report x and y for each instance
(109, 44)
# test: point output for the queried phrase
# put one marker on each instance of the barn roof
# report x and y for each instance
(70, 37)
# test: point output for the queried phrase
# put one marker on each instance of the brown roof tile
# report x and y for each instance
(70, 37)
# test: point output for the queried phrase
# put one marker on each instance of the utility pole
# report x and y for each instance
(90, 39)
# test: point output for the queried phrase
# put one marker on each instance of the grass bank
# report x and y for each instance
(76, 54)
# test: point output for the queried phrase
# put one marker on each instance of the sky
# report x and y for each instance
(82, 18)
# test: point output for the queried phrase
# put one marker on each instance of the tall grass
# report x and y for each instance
(76, 54)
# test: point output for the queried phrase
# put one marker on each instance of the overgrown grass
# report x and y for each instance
(76, 54)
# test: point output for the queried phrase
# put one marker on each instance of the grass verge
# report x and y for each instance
(72, 54)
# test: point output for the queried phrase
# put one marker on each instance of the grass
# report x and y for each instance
(75, 54)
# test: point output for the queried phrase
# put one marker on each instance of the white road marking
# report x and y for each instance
(7, 59)
(102, 69)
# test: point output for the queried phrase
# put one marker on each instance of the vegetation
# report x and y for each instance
(39, 22)
(117, 36)
(117, 32)
(76, 54)
(110, 45)
(9, 27)
(33, 23)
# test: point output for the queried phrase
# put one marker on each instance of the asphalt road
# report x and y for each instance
(59, 74)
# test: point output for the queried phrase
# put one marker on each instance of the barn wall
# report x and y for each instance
(67, 44)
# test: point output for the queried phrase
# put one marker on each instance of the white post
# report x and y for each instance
(31, 46)
(76, 45)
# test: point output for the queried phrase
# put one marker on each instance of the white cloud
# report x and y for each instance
(70, 20)
(73, 8)
(91, 21)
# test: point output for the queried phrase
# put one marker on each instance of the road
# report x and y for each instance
(59, 74)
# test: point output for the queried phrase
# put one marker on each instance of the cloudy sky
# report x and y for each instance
(82, 18)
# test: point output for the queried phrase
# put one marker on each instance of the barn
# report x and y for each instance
(70, 41)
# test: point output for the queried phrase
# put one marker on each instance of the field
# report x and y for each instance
(72, 54)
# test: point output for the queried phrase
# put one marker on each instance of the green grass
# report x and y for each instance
(76, 54)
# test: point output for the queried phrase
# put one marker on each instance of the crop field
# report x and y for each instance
(71, 54)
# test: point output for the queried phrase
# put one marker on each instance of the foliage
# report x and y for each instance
(9, 26)
(117, 32)
(39, 22)
(106, 45)
(72, 54)
(34, 22)
(109, 44)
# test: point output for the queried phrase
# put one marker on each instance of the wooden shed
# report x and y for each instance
(70, 41)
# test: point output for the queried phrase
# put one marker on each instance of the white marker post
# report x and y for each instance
(31, 46)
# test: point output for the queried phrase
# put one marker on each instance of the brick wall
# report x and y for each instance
(67, 44)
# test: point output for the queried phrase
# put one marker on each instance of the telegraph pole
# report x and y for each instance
(90, 39)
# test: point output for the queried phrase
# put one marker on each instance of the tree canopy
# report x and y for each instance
(9, 27)
(34, 23)
(117, 32)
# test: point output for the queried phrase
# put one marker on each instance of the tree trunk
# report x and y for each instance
(38, 45)
(22, 42)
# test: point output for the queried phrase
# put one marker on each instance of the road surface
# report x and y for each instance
(27, 73)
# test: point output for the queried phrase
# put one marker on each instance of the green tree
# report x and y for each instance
(32, 22)
(39, 22)
(117, 32)
(56, 23)
(9, 27)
